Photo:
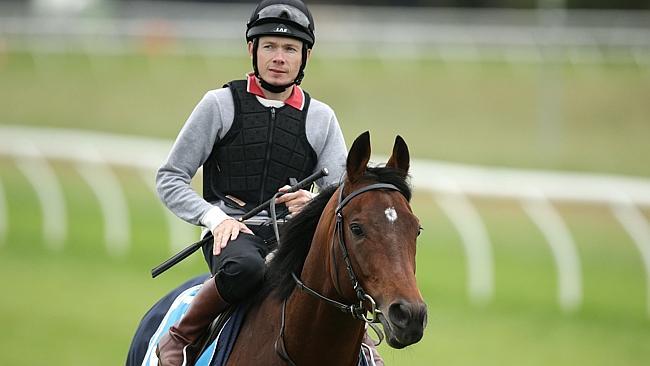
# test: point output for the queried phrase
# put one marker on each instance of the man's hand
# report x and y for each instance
(228, 230)
(294, 201)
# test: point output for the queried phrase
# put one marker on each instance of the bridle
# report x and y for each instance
(357, 311)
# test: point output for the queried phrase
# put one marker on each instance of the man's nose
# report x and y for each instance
(278, 57)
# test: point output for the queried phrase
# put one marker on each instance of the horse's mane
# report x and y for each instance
(296, 235)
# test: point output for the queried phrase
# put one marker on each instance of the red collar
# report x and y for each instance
(296, 99)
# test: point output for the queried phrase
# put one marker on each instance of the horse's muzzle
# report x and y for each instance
(404, 323)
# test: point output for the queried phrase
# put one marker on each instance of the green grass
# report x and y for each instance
(80, 306)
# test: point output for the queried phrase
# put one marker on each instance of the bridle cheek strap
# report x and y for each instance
(357, 311)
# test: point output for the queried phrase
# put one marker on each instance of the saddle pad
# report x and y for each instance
(210, 357)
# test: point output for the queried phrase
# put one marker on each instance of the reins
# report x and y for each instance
(357, 311)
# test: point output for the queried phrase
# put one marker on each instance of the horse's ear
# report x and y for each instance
(358, 157)
(400, 159)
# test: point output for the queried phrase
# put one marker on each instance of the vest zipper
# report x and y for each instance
(268, 155)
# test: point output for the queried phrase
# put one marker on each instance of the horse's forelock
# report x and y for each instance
(396, 177)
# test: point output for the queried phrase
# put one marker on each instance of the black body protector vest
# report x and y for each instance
(263, 149)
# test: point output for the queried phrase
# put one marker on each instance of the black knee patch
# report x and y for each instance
(239, 277)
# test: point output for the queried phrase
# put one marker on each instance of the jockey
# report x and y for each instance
(251, 137)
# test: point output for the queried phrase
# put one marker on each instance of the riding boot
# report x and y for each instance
(372, 349)
(173, 347)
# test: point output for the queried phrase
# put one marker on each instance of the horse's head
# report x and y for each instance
(380, 231)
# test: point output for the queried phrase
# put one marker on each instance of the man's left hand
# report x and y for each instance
(294, 201)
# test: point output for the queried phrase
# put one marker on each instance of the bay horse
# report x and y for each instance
(347, 259)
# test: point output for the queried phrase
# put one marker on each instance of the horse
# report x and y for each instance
(345, 261)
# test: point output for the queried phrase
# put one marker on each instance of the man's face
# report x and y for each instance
(278, 59)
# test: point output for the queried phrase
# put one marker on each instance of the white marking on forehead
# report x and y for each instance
(391, 214)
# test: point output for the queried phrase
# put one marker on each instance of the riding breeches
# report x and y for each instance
(239, 269)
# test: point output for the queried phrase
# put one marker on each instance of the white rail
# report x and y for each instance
(476, 242)
(638, 228)
(564, 250)
(42, 178)
(108, 191)
(449, 183)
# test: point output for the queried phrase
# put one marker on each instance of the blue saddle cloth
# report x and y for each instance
(170, 309)
(216, 354)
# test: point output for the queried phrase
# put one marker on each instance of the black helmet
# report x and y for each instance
(286, 18)
(283, 18)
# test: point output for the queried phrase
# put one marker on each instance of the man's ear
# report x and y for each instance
(250, 48)
(308, 54)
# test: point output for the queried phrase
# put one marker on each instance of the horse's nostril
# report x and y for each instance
(399, 314)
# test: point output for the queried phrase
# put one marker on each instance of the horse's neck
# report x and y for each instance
(312, 323)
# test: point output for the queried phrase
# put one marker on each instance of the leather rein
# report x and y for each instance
(356, 310)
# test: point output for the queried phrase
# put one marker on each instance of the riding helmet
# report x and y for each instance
(286, 18)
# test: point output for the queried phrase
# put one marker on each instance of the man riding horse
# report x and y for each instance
(251, 137)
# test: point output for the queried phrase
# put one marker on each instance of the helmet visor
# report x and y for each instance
(283, 11)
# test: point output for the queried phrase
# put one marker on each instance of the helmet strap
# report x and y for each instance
(279, 88)
(303, 64)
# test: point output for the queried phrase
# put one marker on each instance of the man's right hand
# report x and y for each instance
(227, 230)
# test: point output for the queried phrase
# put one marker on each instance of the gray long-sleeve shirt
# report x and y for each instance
(210, 121)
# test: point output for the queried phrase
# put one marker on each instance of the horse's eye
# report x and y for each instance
(356, 229)
(420, 228)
